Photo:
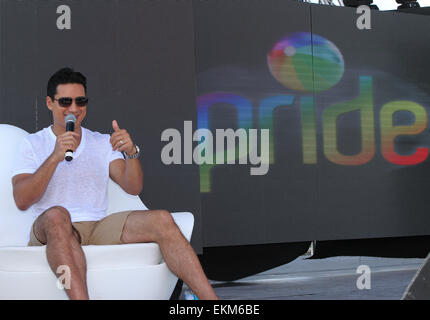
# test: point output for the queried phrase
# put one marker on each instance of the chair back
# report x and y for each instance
(14, 223)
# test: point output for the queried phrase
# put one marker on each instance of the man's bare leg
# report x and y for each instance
(158, 226)
(63, 248)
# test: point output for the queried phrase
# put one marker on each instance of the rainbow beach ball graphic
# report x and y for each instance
(305, 62)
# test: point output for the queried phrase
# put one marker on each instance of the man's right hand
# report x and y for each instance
(66, 141)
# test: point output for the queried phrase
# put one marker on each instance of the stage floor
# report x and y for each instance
(324, 279)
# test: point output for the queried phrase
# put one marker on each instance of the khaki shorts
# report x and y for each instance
(103, 232)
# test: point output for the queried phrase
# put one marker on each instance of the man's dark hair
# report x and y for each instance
(64, 76)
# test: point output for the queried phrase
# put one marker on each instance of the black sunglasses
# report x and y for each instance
(67, 102)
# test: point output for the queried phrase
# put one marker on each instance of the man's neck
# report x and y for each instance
(60, 130)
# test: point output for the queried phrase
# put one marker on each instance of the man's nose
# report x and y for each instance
(73, 107)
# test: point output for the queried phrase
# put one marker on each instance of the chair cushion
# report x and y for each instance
(33, 259)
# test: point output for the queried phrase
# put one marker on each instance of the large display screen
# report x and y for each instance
(347, 114)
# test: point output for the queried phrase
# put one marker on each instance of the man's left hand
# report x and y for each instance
(121, 141)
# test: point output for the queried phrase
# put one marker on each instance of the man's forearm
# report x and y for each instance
(30, 189)
(133, 177)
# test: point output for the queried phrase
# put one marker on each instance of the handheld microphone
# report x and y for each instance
(70, 126)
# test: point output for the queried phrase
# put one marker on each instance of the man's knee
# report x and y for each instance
(160, 221)
(163, 218)
(57, 216)
(163, 222)
(53, 223)
(56, 220)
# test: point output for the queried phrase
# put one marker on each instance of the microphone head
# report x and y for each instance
(70, 117)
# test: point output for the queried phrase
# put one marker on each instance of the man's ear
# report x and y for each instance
(49, 102)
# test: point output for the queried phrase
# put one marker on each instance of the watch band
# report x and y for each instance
(133, 156)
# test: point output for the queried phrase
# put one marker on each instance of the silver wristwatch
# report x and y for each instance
(133, 156)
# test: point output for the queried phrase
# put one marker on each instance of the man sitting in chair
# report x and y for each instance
(69, 198)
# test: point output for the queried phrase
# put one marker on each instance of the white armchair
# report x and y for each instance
(129, 271)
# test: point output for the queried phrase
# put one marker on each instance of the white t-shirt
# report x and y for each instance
(80, 185)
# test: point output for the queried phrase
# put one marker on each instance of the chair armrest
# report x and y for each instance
(185, 222)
